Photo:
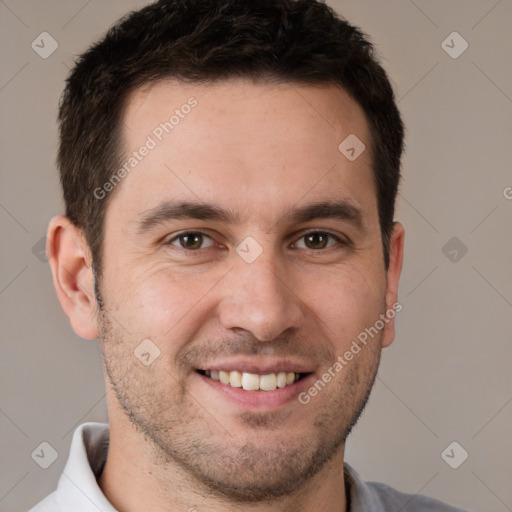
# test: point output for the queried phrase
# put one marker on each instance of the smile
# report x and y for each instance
(253, 381)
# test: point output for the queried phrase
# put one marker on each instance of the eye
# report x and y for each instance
(317, 240)
(191, 240)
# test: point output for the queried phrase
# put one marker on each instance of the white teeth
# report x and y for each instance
(281, 379)
(235, 379)
(268, 382)
(250, 381)
(253, 381)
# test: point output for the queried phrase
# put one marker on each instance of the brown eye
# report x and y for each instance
(317, 240)
(191, 240)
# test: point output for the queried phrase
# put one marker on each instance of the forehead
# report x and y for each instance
(244, 144)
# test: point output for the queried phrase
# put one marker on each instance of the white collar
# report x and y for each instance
(78, 489)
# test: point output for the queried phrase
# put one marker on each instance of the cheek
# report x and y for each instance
(164, 302)
(346, 302)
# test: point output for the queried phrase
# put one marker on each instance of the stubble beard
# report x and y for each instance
(180, 434)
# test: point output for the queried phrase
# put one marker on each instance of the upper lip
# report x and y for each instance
(262, 367)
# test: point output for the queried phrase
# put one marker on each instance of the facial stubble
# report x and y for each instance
(180, 432)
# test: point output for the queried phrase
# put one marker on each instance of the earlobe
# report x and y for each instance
(73, 278)
(396, 254)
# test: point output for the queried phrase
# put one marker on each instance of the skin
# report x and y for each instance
(259, 150)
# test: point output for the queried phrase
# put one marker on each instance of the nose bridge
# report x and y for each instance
(259, 299)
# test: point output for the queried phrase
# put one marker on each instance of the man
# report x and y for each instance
(230, 171)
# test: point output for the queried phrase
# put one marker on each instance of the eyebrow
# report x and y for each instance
(167, 211)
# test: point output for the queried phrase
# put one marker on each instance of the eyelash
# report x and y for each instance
(190, 252)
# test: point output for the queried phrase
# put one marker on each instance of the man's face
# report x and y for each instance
(290, 298)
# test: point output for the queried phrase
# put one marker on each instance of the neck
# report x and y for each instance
(131, 481)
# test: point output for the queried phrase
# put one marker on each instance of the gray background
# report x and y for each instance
(447, 375)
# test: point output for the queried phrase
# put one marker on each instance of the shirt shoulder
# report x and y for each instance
(392, 500)
(378, 497)
(48, 504)
(78, 489)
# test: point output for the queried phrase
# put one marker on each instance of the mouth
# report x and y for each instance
(263, 384)
(253, 381)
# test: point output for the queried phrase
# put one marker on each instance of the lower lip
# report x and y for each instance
(259, 399)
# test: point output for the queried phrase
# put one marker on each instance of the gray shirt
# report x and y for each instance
(78, 490)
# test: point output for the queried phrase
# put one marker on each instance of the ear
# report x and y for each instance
(396, 255)
(73, 278)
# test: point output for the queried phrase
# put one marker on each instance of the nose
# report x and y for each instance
(259, 298)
